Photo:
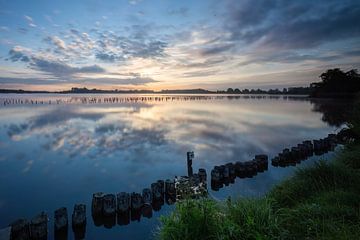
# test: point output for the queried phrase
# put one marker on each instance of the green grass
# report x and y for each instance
(318, 202)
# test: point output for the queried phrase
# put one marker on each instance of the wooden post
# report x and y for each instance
(20, 230)
(97, 204)
(61, 223)
(109, 208)
(123, 202)
(147, 196)
(38, 227)
(202, 175)
(79, 221)
(190, 156)
(5, 233)
(136, 204)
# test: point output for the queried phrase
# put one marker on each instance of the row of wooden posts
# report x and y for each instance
(225, 174)
(99, 100)
(107, 209)
(304, 150)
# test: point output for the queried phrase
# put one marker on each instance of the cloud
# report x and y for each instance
(4, 28)
(30, 21)
(216, 49)
(200, 73)
(56, 68)
(97, 138)
(121, 81)
(134, 2)
(58, 42)
(293, 25)
(30, 81)
(18, 54)
(78, 80)
(22, 30)
(109, 57)
(61, 69)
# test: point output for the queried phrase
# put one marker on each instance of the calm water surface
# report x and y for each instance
(54, 155)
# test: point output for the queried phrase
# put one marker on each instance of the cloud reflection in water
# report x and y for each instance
(125, 147)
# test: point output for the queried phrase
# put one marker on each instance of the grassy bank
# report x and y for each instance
(318, 202)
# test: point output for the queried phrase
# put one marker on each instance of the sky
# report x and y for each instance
(164, 44)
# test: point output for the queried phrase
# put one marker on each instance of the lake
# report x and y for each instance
(57, 150)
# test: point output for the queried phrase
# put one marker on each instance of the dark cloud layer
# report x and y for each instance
(59, 72)
(56, 68)
(285, 24)
(62, 69)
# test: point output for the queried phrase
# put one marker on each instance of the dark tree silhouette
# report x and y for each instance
(336, 83)
(230, 90)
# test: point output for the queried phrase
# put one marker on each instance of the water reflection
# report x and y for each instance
(75, 148)
(335, 112)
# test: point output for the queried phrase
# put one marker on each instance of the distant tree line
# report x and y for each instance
(289, 91)
(334, 83)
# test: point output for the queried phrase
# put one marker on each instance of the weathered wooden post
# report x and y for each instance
(262, 162)
(295, 154)
(170, 191)
(20, 230)
(286, 154)
(161, 186)
(240, 169)
(225, 172)
(215, 179)
(123, 208)
(38, 227)
(97, 203)
(190, 156)
(282, 160)
(147, 196)
(232, 173)
(322, 146)
(61, 223)
(202, 175)
(195, 179)
(333, 141)
(309, 147)
(146, 210)
(317, 147)
(123, 202)
(215, 174)
(249, 170)
(79, 221)
(327, 143)
(157, 191)
(109, 210)
(5, 233)
(275, 161)
(136, 204)
(254, 166)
